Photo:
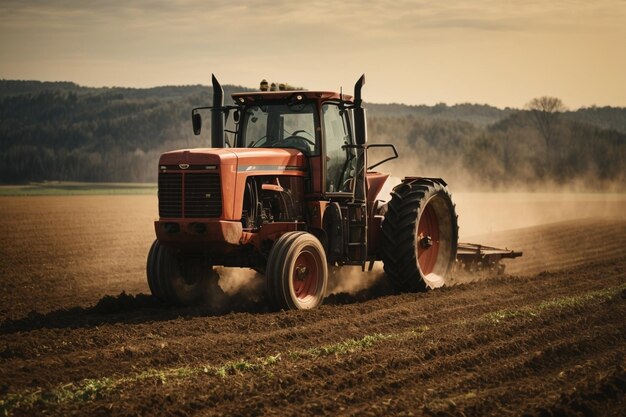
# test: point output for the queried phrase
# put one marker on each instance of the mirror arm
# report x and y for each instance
(222, 108)
(383, 145)
(195, 114)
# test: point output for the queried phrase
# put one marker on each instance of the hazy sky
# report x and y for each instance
(484, 51)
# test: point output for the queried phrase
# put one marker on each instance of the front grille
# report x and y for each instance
(202, 195)
(170, 192)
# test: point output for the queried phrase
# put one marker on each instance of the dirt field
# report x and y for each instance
(79, 333)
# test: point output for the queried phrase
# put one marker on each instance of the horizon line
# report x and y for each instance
(591, 106)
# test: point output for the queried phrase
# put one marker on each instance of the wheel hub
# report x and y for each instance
(305, 275)
(426, 241)
(428, 238)
(301, 272)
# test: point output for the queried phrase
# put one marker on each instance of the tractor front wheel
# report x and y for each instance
(297, 272)
(174, 277)
(420, 235)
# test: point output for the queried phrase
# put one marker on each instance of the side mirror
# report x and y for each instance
(196, 121)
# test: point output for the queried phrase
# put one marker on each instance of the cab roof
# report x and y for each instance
(253, 96)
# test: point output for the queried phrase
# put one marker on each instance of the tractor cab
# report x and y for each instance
(328, 128)
(318, 124)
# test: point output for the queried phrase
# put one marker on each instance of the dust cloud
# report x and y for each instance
(483, 213)
(234, 289)
(350, 279)
(484, 209)
(240, 280)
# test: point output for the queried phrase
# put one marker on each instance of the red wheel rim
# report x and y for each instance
(427, 240)
(305, 276)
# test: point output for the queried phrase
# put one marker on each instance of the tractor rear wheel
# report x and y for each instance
(175, 278)
(297, 272)
(420, 235)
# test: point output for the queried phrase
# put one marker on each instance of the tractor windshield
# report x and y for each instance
(280, 126)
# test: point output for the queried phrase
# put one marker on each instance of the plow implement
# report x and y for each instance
(475, 258)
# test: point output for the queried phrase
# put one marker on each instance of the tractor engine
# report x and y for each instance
(271, 198)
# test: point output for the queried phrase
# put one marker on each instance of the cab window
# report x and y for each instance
(281, 126)
(339, 159)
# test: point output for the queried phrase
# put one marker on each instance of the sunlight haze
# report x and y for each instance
(501, 53)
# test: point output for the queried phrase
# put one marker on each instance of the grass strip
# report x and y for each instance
(93, 389)
(60, 188)
(581, 300)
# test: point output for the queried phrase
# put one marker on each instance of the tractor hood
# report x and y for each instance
(234, 166)
(246, 159)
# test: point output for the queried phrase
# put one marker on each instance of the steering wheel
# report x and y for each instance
(347, 184)
(257, 143)
(302, 131)
(297, 142)
(296, 138)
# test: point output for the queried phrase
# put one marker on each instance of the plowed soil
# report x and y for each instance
(80, 334)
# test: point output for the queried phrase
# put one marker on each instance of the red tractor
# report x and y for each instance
(291, 191)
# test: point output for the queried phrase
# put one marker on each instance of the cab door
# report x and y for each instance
(339, 159)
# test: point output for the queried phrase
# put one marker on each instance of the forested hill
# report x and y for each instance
(485, 115)
(63, 131)
(477, 114)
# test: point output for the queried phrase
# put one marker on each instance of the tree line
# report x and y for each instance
(62, 131)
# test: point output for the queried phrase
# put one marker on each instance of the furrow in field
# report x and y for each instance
(88, 352)
(457, 345)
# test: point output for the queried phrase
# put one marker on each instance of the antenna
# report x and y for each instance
(341, 105)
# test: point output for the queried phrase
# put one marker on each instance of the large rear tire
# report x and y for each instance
(175, 278)
(297, 272)
(420, 235)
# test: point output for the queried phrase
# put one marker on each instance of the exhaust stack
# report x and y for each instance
(217, 115)
(360, 122)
